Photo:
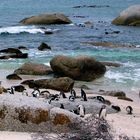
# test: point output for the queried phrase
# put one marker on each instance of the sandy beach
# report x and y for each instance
(121, 123)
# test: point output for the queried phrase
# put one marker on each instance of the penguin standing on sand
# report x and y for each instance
(73, 93)
(36, 92)
(81, 110)
(102, 112)
(83, 95)
(25, 92)
(12, 90)
(62, 94)
(129, 110)
(62, 106)
(72, 96)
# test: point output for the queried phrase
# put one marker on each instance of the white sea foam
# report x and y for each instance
(24, 29)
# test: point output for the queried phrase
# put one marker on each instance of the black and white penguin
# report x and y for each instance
(129, 110)
(62, 106)
(12, 89)
(102, 112)
(117, 108)
(71, 98)
(62, 94)
(53, 97)
(81, 110)
(83, 95)
(100, 99)
(36, 92)
(25, 92)
(75, 111)
(73, 93)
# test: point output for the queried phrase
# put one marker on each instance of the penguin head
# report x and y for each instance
(103, 106)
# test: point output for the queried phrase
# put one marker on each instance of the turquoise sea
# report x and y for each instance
(67, 39)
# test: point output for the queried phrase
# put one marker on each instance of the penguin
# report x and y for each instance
(73, 93)
(102, 112)
(129, 110)
(62, 106)
(12, 90)
(63, 94)
(83, 95)
(25, 92)
(36, 92)
(45, 94)
(81, 110)
(100, 98)
(75, 111)
(117, 108)
(71, 98)
(54, 97)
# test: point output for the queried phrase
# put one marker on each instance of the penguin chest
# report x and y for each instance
(103, 114)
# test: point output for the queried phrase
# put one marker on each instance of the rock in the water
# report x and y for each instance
(55, 18)
(11, 50)
(129, 17)
(22, 48)
(109, 44)
(33, 69)
(80, 68)
(44, 46)
(60, 84)
(13, 77)
(27, 114)
(19, 55)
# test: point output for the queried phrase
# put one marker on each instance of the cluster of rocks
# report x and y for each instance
(91, 6)
(13, 53)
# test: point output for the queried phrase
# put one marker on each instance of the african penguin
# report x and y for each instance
(25, 92)
(71, 98)
(83, 95)
(117, 108)
(62, 94)
(102, 112)
(62, 106)
(81, 109)
(129, 110)
(73, 93)
(12, 90)
(36, 92)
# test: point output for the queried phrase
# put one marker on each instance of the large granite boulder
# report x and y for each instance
(129, 17)
(60, 84)
(55, 18)
(80, 68)
(33, 69)
(28, 114)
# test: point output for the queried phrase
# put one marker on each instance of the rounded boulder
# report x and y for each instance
(54, 18)
(83, 68)
(129, 17)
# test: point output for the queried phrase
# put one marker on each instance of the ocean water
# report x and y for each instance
(67, 39)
